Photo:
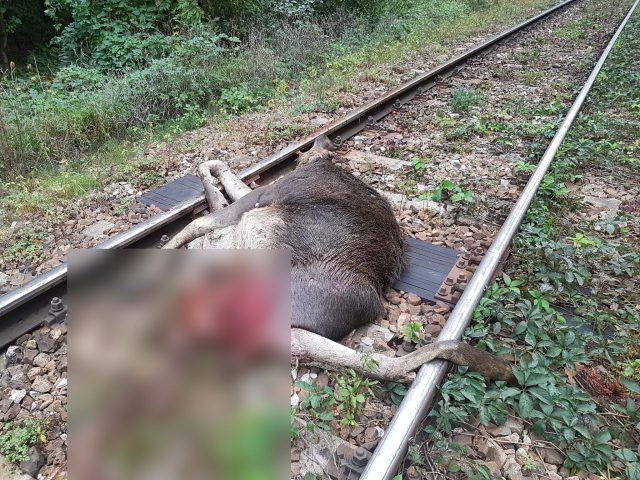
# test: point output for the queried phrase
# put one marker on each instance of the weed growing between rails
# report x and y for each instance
(568, 310)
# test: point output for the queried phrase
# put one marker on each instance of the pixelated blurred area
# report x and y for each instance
(179, 364)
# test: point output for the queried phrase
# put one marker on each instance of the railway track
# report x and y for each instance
(28, 307)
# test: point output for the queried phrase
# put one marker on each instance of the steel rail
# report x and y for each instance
(386, 458)
(347, 126)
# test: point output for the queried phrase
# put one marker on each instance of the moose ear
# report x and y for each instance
(323, 143)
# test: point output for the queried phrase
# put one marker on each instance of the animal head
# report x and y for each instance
(321, 150)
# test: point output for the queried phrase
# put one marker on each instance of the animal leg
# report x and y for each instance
(315, 350)
(232, 184)
(230, 215)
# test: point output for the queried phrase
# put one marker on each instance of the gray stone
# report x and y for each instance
(46, 343)
(34, 463)
(5, 403)
(12, 413)
(14, 354)
(41, 359)
(97, 229)
(551, 455)
(19, 381)
(29, 355)
(513, 438)
(554, 476)
(494, 469)
(41, 384)
(522, 457)
(34, 372)
(370, 435)
(496, 454)
(515, 425)
(31, 343)
(4, 280)
(16, 396)
(499, 430)
(45, 400)
(512, 470)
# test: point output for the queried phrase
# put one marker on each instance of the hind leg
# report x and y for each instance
(234, 187)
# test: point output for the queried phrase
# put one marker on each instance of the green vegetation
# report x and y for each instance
(99, 75)
(323, 404)
(451, 191)
(577, 374)
(16, 439)
(412, 332)
(462, 99)
(352, 392)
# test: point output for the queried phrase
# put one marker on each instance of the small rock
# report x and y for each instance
(496, 454)
(357, 430)
(512, 470)
(27, 403)
(522, 457)
(554, 476)
(513, 438)
(14, 354)
(41, 359)
(61, 385)
(515, 425)
(5, 403)
(499, 430)
(370, 435)
(29, 355)
(41, 384)
(34, 372)
(433, 330)
(46, 400)
(34, 463)
(46, 343)
(31, 343)
(393, 297)
(413, 299)
(12, 412)
(403, 319)
(16, 396)
(551, 455)
(97, 229)
(494, 469)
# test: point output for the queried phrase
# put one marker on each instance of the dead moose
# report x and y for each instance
(346, 248)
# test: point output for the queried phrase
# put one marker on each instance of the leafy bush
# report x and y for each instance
(15, 440)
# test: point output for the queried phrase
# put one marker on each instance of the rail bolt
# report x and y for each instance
(360, 457)
(163, 241)
(449, 281)
(337, 141)
(56, 305)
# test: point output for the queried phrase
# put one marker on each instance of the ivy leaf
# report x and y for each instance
(525, 405)
(604, 437)
(626, 454)
(630, 385)
(520, 328)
